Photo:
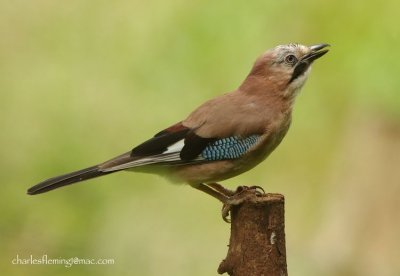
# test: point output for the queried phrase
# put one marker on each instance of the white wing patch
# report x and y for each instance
(177, 147)
(170, 155)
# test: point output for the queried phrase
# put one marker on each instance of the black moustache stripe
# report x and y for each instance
(299, 70)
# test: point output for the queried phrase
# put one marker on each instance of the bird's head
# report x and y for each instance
(284, 69)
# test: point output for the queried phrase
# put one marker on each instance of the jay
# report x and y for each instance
(222, 138)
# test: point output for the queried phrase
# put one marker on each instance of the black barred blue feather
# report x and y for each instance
(229, 148)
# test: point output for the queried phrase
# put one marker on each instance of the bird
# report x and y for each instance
(222, 138)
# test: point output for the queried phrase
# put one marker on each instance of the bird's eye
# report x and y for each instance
(291, 59)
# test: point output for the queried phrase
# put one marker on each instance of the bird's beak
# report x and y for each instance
(316, 51)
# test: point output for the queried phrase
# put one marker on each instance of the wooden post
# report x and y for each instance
(257, 242)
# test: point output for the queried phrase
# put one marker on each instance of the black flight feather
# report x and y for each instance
(194, 145)
(65, 179)
(159, 143)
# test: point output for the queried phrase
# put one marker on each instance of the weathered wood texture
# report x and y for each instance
(257, 242)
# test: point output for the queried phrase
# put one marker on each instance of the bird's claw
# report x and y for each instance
(257, 189)
(226, 208)
(237, 198)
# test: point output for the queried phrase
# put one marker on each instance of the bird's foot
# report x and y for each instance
(228, 197)
(237, 197)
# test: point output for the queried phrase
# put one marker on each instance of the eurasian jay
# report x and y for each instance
(225, 136)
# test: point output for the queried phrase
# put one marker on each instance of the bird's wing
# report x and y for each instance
(180, 145)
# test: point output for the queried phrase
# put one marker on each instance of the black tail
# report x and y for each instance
(66, 179)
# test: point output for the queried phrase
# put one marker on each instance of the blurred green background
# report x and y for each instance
(82, 81)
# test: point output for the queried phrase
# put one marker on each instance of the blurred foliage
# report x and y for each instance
(82, 81)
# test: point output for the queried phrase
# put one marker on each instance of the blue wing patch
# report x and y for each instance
(229, 148)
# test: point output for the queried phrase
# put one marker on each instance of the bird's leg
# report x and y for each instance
(221, 189)
(227, 197)
(217, 193)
